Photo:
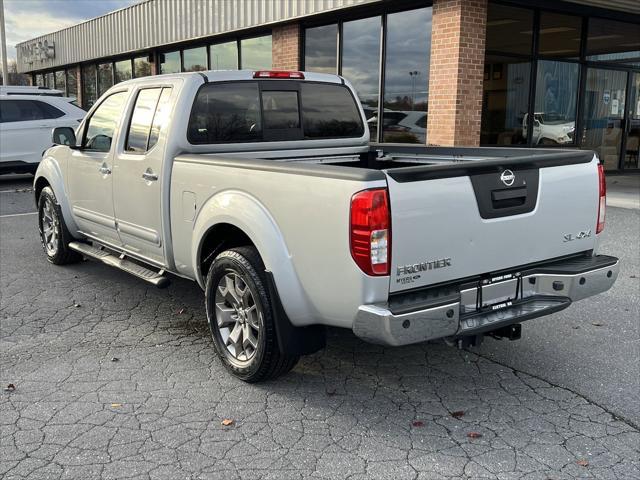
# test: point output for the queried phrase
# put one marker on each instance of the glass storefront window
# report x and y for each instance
(406, 87)
(505, 101)
(195, 59)
(49, 80)
(612, 41)
(39, 80)
(60, 80)
(321, 49)
(105, 77)
(509, 29)
(361, 65)
(141, 67)
(72, 83)
(559, 35)
(170, 62)
(554, 121)
(632, 148)
(89, 86)
(224, 56)
(603, 114)
(123, 71)
(256, 53)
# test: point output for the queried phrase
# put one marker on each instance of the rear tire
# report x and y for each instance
(54, 234)
(240, 316)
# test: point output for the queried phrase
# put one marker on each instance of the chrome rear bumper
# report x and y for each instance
(487, 304)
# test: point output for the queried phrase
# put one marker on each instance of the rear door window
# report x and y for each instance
(248, 111)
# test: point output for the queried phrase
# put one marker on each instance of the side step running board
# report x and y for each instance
(155, 278)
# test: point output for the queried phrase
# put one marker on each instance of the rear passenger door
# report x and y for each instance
(138, 175)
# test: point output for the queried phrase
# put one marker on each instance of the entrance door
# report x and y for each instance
(89, 172)
(604, 112)
(632, 145)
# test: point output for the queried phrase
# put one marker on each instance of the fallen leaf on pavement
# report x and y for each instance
(583, 463)
(418, 423)
(10, 388)
(457, 414)
(180, 312)
(115, 359)
(226, 422)
(474, 435)
(77, 305)
(597, 324)
(116, 405)
(633, 276)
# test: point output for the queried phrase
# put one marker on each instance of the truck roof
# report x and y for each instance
(231, 75)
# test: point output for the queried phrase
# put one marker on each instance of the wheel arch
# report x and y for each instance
(234, 218)
(49, 174)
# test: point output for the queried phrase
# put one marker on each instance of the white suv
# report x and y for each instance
(26, 122)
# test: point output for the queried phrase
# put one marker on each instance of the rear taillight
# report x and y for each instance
(278, 74)
(370, 231)
(602, 205)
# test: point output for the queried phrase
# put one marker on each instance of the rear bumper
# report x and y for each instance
(485, 304)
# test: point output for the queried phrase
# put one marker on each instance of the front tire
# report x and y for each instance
(240, 317)
(54, 235)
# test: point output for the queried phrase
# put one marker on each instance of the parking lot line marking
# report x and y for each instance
(18, 214)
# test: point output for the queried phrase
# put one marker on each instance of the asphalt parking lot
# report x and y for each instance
(116, 379)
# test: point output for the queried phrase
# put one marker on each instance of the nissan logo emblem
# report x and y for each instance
(508, 178)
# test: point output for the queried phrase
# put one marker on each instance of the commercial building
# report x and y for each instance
(445, 72)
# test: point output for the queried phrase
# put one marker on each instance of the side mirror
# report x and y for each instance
(64, 136)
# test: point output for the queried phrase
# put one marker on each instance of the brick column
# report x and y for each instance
(456, 72)
(286, 47)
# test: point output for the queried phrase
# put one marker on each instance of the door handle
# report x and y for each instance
(104, 170)
(150, 177)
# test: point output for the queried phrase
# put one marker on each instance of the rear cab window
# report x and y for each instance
(255, 111)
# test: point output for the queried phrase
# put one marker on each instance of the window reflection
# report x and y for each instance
(141, 67)
(555, 104)
(89, 93)
(256, 53)
(195, 59)
(560, 35)
(361, 65)
(103, 123)
(505, 101)
(123, 71)
(509, 29)
(224, 56)
(170, 62)
(72, 83)
(613, 41)
(321, 49)
(60, 80)
(406, 87)
(105, 77)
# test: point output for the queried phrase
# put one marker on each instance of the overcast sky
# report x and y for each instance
(26, 19)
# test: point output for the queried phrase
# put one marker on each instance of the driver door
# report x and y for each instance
(90, 171)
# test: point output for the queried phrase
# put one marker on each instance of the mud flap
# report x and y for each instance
(293, 340)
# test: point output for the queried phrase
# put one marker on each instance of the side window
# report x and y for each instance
(103, 122)
(161, 116)
(141, 119)
(226, 112)
(150, 113)
(27, 110)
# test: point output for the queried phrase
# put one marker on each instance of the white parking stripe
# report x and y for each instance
(18, 214)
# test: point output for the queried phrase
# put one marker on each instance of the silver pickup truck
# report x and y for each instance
(263, 188)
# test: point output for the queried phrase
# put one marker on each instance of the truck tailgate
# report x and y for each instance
(478, 221)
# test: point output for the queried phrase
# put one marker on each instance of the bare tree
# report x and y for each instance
(15, 78)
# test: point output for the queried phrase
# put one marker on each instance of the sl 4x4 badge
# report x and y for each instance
(570, 237)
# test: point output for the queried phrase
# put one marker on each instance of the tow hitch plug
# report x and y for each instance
(512, 332)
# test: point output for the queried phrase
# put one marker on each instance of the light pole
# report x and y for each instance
(3, 47)
(414, 76)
